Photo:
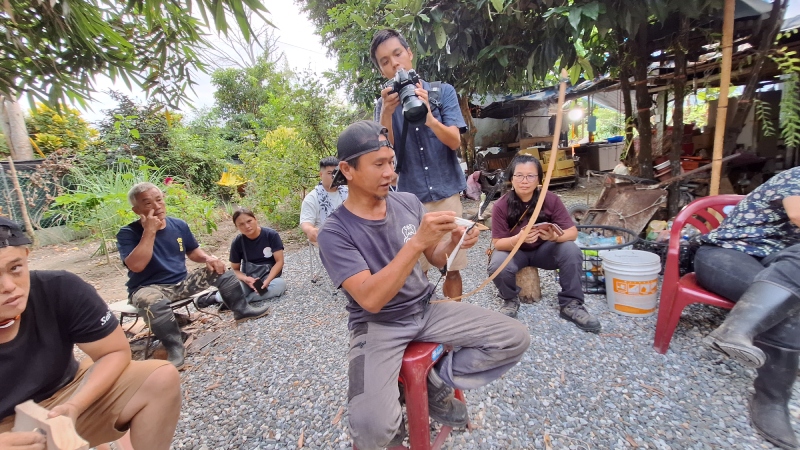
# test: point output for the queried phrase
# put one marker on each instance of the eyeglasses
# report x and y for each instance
(520, 177)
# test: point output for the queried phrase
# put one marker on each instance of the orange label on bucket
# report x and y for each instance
(635, 287)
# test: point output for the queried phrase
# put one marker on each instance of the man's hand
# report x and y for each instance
(434, 226)
(23, 440)
(66, 410)
(150, 223)
(423, 95)
(215, 265)
(390, 102)
(312, 234)
(469, 241)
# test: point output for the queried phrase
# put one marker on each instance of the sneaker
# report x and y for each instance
(207, 299)
(577, 314)
(442, 404)
(510, 307)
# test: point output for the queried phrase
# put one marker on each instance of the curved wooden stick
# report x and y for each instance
(562, 90)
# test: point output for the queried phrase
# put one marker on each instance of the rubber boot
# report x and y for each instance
(442, 404)
(234, 299)
(769, 406)
(761, 307)
(161, 321)
(510, 307)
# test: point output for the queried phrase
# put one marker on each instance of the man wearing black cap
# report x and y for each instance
(43, 315)
(154, 249)
(370, 247)
(428, 165)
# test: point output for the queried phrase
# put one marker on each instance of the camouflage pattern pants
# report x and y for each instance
(197, 281)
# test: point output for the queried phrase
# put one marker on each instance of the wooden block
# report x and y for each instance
(60, 430)
(528, 281)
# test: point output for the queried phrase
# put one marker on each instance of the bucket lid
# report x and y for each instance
(630, 257)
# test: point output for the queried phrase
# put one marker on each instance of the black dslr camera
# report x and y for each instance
(404, 83)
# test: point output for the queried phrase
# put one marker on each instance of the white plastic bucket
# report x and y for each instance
(631, 281)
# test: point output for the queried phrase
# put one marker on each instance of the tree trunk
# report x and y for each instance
(625, 86)
(679, 84)
(644, 158)
(763, 43)
(12, 123)
(468, 138)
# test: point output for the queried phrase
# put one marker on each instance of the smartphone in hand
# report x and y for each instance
(258, 283)
(552, 227)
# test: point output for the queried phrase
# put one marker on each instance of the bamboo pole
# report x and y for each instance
(25, 217)
(722, 107)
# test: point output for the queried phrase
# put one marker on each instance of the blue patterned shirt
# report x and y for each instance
(759, 224)
(430, 170)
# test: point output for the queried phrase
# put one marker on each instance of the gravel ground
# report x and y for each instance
(281, 382)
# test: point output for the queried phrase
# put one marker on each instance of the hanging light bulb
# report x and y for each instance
(575, 114)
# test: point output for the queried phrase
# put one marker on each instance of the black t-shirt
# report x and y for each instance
(168, 263)
(259, 250)
(62, 311)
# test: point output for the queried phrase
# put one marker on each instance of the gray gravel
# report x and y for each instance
(266, 383)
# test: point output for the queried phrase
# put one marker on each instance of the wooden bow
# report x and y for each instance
(562, 91)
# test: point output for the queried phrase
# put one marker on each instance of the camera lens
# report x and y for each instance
(414, 110)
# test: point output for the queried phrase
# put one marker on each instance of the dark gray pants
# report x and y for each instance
(729, 273)
(487, 344)
(564, 256)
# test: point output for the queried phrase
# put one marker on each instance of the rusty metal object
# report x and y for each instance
(629, 206)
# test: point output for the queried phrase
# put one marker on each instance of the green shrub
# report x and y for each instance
(52, 131)
(98, 200)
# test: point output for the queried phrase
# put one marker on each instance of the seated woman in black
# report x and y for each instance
(753, 259)
(543, 248)
(257, 258)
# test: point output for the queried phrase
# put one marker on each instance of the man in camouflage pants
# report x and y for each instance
(154, 249)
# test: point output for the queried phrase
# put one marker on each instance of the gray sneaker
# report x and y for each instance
(577, 314)
(510, 307)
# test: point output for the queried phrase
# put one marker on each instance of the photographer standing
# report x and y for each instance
(426, 149)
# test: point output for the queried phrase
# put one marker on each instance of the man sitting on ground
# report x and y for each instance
(154, 249)
(43, 315)
(371, 247)
(322, 200)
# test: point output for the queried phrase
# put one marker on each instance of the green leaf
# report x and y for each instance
(359, 20)
(441, 36)
(135, 133)
(574, 74)
(592, 10)
(498, 5)
(575, 18)
(587, 68)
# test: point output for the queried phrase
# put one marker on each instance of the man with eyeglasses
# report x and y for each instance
(321, 201)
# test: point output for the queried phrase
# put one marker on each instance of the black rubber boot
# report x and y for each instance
(761, 307)
(207, 299)
(161, 321)
(510, 307)
(769, 406)
(235, 300)
(442, 404)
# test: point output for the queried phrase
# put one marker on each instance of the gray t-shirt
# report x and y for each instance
(349, 244)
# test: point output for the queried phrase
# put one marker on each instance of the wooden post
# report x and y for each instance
(722, 107)
(21, 198)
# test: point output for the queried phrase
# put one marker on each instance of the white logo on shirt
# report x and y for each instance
(267, 252)
(105, 318)
(408, 231)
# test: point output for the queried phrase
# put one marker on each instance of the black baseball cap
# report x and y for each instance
(11, 234)
(358, 139)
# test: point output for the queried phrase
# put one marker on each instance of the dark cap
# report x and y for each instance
(358, 139)
(11, 234)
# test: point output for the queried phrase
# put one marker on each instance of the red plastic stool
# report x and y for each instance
(418, 360)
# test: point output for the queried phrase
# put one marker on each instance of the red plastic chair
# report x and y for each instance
(418, 360)
(678, 292)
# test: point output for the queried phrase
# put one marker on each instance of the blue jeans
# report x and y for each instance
(276, 288)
